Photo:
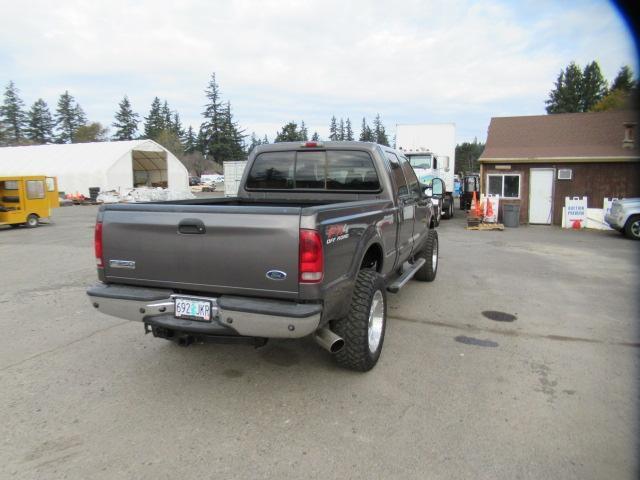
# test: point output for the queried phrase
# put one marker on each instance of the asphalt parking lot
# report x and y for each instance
(547, 389)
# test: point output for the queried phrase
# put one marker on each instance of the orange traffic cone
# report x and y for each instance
(489, 209)
(474, 203)
(479, 209)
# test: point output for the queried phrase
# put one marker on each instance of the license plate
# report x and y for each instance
(193, 309)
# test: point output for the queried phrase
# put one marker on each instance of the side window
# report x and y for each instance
(51, 184)
(398, 176)
(272, 170)
(35, 189)
(412, 179)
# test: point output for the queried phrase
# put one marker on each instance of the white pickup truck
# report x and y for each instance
(624, 216)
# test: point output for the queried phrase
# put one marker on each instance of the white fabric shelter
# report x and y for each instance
(108, 165)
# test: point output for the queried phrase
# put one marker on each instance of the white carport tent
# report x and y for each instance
(108, 165)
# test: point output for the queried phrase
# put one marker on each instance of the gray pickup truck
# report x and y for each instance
(317, 235)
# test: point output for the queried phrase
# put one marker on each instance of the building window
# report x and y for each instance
(505, 185)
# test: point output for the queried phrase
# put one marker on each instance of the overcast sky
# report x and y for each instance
(412, 61)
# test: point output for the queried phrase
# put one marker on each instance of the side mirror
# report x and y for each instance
(428, 192)
(438, 187)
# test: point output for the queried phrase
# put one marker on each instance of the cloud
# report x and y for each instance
(461, 61)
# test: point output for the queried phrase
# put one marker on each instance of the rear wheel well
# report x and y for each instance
(372, 259)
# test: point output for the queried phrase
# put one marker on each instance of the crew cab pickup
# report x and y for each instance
(316, 237)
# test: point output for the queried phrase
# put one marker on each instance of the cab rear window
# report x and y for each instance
(333, 170)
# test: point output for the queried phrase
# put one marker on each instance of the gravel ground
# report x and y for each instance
(548, 388)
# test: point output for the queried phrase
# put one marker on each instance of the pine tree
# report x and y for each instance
(594, 86)
(333, 129)
(253, 142)
(304, 134)
(366, 135)
(69, 117)
(348, 131)
(126, 121)
(40, 123)
(566, 97)
(12, 116)
(165, 113)
(233, 137)
(213, 119)
(176, 125)
(190, 142)
(380, 135)
(315, 137)
(289, 133)
(624, 80)
(265, 140)
(341, 131)
(154, 122)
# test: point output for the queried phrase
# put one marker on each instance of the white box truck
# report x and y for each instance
(431, 150)
(232, 174)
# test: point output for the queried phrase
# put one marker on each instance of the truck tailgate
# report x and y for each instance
(222, 249)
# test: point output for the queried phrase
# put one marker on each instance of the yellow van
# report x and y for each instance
(25, 200)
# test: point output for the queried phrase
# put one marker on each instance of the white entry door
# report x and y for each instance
(541, 195)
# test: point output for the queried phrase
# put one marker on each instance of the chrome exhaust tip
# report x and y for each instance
(328, 340)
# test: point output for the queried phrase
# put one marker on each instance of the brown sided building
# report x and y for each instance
(537, 161)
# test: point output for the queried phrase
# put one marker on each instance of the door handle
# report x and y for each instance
(191, 226)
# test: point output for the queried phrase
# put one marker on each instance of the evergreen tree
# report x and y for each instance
(333, 129)
(12, 116)
(233, 138)
(467, 156)
(315, 137)
(624, 80)
(69, 117)
(304, 134)
(341, 131)
(154, 122)
(176, 125)
(253, 142)
(289, 133)
(127, 120)
(40, 123)
(366, 135)
(190, 143)
(380, 135)
(213, 124)
(265, 140)
(594, 86)
(566, 97)
(348, 135)
(165, 114)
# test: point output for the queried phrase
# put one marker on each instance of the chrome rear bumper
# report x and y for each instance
(240, 315)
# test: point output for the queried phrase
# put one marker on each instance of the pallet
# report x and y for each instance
(487, 227)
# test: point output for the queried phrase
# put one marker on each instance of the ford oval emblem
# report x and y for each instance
(276, 275)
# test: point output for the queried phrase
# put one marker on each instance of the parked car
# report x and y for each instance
(317, 236)
(194, 181)
(624, 216)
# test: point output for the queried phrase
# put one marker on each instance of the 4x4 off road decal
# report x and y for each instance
(335, 233)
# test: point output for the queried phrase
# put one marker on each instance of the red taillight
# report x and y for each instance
(97, 243)
(311, 260)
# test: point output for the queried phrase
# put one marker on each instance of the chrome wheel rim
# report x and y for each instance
(376, 321)
(635, 228)
(32, 221)
(434, 255)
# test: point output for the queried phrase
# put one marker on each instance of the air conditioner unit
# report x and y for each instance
(564, 174)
